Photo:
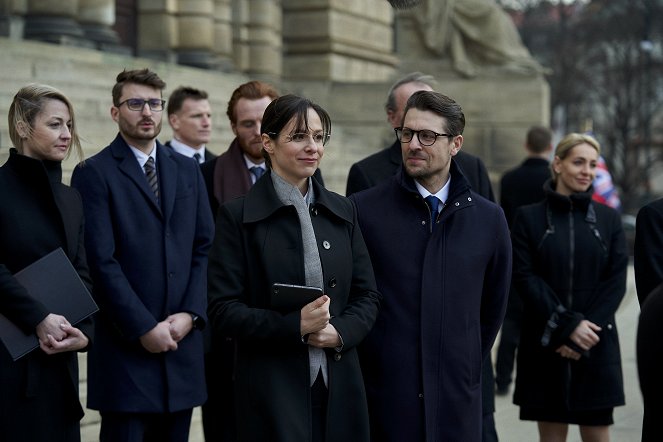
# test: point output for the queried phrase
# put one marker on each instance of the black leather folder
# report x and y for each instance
(53, 281)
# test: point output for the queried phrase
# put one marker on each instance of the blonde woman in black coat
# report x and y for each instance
(297, 374)
(570, 268)
(38, 214)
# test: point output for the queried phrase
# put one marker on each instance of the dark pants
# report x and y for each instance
(510, 337)
(218, 412)
(488, 432)
(319, 398)
(145, 427)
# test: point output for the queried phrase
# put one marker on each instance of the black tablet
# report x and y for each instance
(290, 297)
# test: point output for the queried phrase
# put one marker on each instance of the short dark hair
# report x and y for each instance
(538, 139)
(182, 93)
(253, 90)
(283, 109)
(143, 77)
(441, 105)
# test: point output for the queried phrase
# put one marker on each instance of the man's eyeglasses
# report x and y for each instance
(137, 104)
(319, 138)
(425, 137)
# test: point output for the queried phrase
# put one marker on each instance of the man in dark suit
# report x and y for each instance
(442, 260)
(380, 166)
(520, 186)
(148, 228)
(190, 117)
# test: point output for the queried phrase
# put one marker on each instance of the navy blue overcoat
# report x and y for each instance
(444, 297)
(147, 261)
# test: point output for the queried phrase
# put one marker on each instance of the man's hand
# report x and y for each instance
(180, 325)
(74, 340)
(159, 340)
(51, 325)
(327, 337)
(315, 315)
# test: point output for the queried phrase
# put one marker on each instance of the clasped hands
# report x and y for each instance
(57, 335)
(584, 336)
(167, 333)
(314, 322)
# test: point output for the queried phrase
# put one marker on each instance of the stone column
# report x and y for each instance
(338, 40)
(54, 22)
(257, 37)
(157, 30)
(223, 35)
(195, 32)
(96, 18)
(11, 18)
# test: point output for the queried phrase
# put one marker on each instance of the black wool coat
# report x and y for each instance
(648, 249)
(258, 243)
(568, 252)
(38, 214)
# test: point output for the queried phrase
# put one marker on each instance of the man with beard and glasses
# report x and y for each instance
(148, 228)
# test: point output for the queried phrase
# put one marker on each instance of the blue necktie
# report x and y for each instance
(151, 174)
(433, 203)
(257, 171)
(197, 157)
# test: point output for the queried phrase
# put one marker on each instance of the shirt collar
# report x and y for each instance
(187, 150)
(142, 157)
(442, 194)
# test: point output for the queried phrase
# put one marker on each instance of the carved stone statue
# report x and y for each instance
(473, 33)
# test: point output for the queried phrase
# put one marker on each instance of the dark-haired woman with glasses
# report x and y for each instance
(569, 266)
(297, 375)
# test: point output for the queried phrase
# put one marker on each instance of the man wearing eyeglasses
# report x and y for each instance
(148, 228)
(442, 260)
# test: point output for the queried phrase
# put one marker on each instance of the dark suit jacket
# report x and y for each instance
(147, 260)
(523, 185)
(382, 165)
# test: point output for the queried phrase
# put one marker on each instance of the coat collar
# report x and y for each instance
(262, 201)
(561, 202)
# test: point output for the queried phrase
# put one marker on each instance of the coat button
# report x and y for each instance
(456, 204)
(421, 395)
(326, 245)
(314, 211)
(337, 357)
(609, 326)
(332, 282)
(469, 198)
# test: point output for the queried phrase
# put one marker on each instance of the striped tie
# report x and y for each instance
(151, 174)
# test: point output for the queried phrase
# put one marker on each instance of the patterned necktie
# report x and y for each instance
(197, 156)
(257, 171)
(434, 203)
(151, 175)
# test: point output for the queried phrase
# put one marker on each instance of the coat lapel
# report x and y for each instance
(167, 169)
(129, 166)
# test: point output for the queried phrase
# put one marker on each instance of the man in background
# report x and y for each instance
(520, 186)
(190, 117)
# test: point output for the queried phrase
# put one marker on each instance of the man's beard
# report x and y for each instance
(403, 4)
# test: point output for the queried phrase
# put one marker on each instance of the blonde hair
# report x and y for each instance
(569, 142)
(28, 102)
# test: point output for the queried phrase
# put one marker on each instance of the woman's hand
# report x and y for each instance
(51, 325)
(315, 315)
(73, 340)
(584, 336)
(327, 337)
(567, 352)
